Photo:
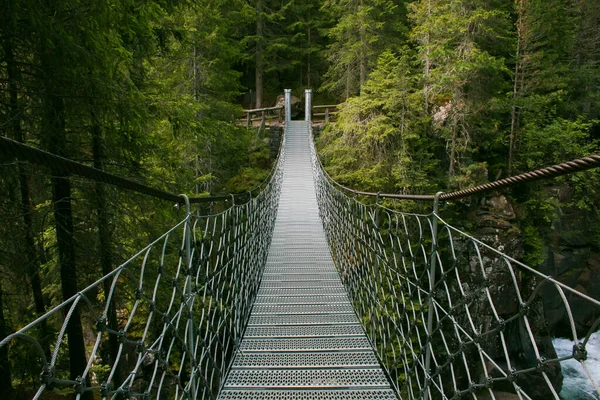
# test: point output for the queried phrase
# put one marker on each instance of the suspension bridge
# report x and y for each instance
(304, 292)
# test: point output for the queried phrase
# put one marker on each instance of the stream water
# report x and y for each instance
(576, 384)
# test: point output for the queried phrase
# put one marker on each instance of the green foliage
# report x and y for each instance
(144, 90)
(557, 141)
(364, 29)
(252, 176)
(470, 176)
(535, 251)
(462, 72)
(375, 143)
(470, 91)
(552, 140)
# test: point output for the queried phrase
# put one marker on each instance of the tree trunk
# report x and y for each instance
(427, 67)
(105, 248)
(587, 53)
(31, 252)
(260, 62)
(309, 52)
(63, 215)
(363, 51)
(453, 145)
(515, 120)
(348, 90)
(6, 388)
(53, 129)
(195, 73)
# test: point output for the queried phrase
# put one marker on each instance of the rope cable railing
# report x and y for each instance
(451, 315)
(177, 308)
(12, 149)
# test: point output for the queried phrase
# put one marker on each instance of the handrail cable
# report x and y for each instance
(257, 110)
(10, 148)
(175, 288)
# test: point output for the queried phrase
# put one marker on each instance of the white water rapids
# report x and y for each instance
(576, 384)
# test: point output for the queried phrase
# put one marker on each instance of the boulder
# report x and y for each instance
(297, 106)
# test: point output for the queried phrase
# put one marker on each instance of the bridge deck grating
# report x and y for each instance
(303, 340)
(280, 320)
(370, 394)
(304, 345)
(292, 292)
(306, 360)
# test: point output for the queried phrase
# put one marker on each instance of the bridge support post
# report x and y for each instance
(307, 105)
(430, 311)
(188, 295)
(288, 105)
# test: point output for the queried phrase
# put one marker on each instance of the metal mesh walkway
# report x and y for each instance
(303, 340)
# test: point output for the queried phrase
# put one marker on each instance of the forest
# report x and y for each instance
(433, 95)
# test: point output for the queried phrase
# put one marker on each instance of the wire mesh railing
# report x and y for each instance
(449, 316)
(173, 313)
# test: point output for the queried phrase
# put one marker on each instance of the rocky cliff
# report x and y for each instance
(513, 292)
(572, 257)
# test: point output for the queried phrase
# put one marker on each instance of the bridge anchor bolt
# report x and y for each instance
(579, 352)
(47, 376)
(79, 385)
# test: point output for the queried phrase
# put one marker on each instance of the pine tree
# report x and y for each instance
(364, 29)
(378, 142)
(460, 74)
(546, 83)
(10, 36)
(269, 45)
(304, 57)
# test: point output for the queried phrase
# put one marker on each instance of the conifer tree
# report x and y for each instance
(377, 142)
(460, 74)
(363, 30)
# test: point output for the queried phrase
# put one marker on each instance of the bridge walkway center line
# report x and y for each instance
(303, 340)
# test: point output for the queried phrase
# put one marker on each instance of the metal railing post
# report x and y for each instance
(307, 105)
(430, 313)
(288, 105)
(189, 294)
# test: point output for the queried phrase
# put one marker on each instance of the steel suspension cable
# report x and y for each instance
(10, 148)
(566, 168)
(183, 301)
